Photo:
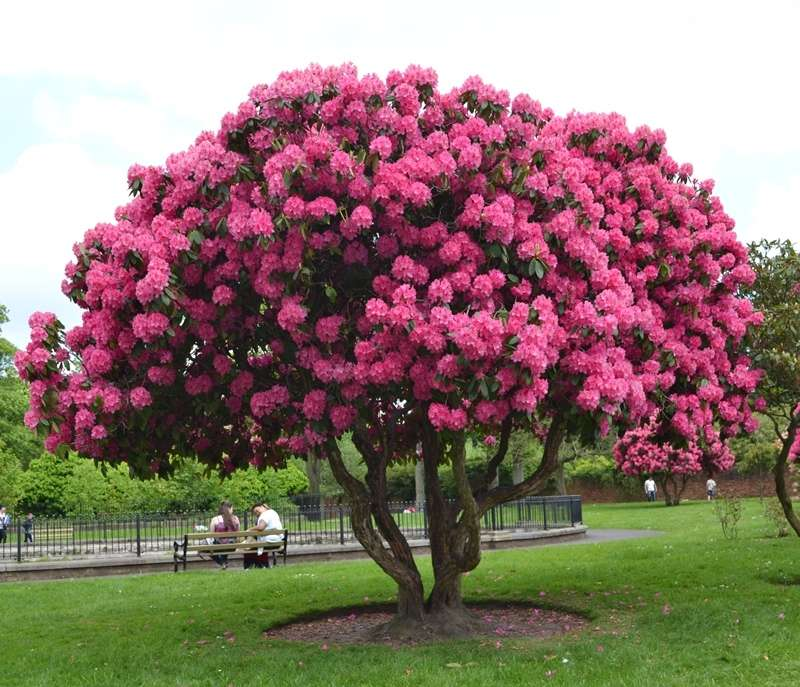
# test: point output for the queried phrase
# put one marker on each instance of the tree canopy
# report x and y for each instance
(356, 254)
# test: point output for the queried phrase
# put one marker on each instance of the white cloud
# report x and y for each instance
(774, 213)
(50, 197)
(134, 129)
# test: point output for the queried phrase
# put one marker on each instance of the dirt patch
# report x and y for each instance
(495, 622)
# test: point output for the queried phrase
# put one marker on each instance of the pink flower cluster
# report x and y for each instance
(346, 245)
(649, 449)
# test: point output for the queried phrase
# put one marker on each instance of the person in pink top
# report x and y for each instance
(225, 521)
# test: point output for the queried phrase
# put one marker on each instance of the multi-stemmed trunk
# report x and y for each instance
(673, 487)
(453, 527)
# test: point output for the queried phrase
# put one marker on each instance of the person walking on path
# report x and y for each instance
(27, 527)
(225, 521)
(5, 523)
(650, 489)
(711, 488)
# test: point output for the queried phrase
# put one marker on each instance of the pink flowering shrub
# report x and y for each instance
(650, 450)
(346, 243)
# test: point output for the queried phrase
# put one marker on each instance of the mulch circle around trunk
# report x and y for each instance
(361, 625)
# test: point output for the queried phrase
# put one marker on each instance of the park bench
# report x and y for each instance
(239, 545)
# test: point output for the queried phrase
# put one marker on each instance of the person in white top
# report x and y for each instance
(268, 519)
(650, 489)
(711, 488)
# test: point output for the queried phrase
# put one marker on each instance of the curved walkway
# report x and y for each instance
(597, 536)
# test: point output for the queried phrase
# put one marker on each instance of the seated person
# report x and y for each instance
(225, 521)
(268, 519)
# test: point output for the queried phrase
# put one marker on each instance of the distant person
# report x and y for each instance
(650, 489)
(27, 526)
(5, 524)
(268, 519)
(225, 521)
(711, 488)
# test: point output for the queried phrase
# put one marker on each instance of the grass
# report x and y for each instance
(688, 607)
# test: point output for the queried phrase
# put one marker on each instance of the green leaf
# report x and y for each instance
(195, 237)
(536, 268)
(331, 293)
(664, 272)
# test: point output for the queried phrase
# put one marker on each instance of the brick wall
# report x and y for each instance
(731, 484)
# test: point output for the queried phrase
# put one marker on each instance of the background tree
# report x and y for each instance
(647, 451)
(776, 348)
(353, 254)
(14, 401)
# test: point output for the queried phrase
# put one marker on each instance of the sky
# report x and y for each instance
(87, 89)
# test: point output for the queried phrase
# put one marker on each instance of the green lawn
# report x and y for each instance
(685, 608)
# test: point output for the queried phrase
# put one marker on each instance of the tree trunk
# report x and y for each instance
(419, 484)
(673, 488)
(561, 482)
(454, 535)
(781, 488)
(314, 474)
(454, 529)
(397, 560)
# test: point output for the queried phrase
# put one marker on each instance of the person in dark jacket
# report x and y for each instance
(27, 526)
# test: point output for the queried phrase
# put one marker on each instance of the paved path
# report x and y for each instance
(597, 536)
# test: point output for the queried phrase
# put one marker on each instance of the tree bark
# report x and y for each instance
(396, 561)
(454, 534)
(781, 488)
(673, 488)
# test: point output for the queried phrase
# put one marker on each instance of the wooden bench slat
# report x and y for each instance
(246, 546)
(239, 534)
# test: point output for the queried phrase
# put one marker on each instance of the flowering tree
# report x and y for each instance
(655, 448)
(776, 349)
(378, 257)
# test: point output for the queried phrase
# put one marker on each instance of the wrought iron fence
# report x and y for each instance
(315, 522)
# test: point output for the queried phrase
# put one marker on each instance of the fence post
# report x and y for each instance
(494, 522)
(138, 535)
(19, 540)
(425, 518)
(544, 513)
(341, 525)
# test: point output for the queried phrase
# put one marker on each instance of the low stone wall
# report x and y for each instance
(96, 566)
(729, 484)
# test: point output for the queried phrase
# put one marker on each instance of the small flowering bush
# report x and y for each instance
(373, 255)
